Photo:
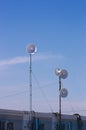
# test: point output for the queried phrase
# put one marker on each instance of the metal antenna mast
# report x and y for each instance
(30, 80)
(62, 74)
(31, 49)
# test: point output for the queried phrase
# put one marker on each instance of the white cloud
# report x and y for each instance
(12, 61)
(45, 56)
(23, 59)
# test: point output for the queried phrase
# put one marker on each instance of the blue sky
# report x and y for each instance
(58, 29)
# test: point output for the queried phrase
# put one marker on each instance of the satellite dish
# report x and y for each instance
(64, 92)
(63, 74)
(31, 49)
(58, 72)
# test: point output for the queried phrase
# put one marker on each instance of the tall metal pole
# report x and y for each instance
(62, 92)
(30, 78)
(59, 103)
(31, 49)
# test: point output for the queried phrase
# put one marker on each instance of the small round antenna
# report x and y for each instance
(61, 73)
(31, 49)
(58, 71)
(64, 74)
(64, 92)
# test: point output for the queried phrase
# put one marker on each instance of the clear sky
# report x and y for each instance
(58, 29)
